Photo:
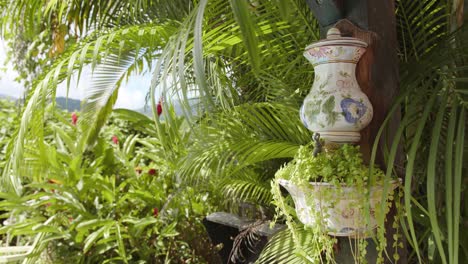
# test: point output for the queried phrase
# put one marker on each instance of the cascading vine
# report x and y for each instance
(330, 185)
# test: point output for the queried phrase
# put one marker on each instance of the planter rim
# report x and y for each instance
(343, 41)
(391, 182)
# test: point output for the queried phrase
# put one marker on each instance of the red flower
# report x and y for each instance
(155, 212)
(115, 139)
(159, 107)
(74, 118)
(152, 171)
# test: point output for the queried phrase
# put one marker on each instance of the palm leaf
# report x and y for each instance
(429, 87)
(281, 42)
(281, 248)
(102, 96)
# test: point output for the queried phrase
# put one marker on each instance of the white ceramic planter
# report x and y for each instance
(343, 217)
(336, 107)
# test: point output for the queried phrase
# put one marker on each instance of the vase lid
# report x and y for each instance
(334, 38)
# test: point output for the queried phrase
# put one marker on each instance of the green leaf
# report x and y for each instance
(95, 236)
(246, 23)
(120, 243)
(431, 178)
(170, 230)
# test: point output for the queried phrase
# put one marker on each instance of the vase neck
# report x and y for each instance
(336, 68)
(336, 73)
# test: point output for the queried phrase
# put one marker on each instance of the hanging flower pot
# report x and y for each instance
(334, 192)
(340, 210)
(336, 107)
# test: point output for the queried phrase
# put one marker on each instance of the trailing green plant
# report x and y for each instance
(345, 177)
(107, 204)
(341, 166)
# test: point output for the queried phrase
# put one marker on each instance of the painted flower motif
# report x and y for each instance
(155, 212)
(115, 139)
(74, 118)
(347, 213)
(152, 171)
(353, 110)
(320, 52)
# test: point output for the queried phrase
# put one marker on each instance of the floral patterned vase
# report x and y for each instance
(336, 107)
(341, 210)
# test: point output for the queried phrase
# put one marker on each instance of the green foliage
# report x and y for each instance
(279, 248)
(347, 178)
(343, 165)
(9, 120)
(241, 149)
(433, 103)
(38, 32)
(245, 61)
(108, 204)
(100, 99)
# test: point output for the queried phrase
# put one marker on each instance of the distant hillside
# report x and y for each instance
(72, 105)
(69, 104)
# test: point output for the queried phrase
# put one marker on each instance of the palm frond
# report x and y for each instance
(101, 50)
(433, 98)
(282, 248)
(421, 25)
(281, 39)
(244, 136)
(242, 148)
(247, 186)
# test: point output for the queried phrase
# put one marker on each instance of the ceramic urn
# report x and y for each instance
(335, 106)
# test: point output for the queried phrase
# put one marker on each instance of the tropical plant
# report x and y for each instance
(8, 119)
(239, 56)
(101, 206)
(333, 194)
(342, 166)
(49, 28)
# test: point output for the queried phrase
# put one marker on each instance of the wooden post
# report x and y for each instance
(377, 72)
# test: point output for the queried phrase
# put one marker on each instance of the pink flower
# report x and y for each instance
(74, 118)
(155, 212)
(152, 171)
(159, 107)
(320, 52)
(115, 139)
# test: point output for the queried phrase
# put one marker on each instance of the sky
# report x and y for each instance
(131, 95)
